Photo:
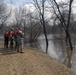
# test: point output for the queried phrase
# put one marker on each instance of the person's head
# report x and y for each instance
(17, 29)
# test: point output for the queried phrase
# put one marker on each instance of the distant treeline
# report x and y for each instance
(50, 29)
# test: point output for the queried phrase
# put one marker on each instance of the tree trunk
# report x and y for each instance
(44, 28)
(45, 37)
(68, 38)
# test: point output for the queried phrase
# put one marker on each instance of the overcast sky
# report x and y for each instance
(28, 6)
(23, 2)
(18, 2)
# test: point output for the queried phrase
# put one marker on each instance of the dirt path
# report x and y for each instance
(31, 62)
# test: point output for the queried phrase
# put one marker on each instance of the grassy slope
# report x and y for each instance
(31, 62)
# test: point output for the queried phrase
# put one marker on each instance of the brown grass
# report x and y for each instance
(31, 62)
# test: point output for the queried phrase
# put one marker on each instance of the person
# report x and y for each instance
(20, 36)
(15, 37)
(6, 38)
(12, 34)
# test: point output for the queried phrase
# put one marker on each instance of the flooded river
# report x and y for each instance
(58, 50)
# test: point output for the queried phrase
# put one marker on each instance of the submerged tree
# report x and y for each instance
(64, 22)
(41, 10)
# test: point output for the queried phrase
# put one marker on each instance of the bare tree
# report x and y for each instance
(41, 10)
(33, 26)
(65, 24)
(35, 30)
(18, 16)
(3, 13)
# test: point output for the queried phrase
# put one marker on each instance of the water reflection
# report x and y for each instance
(59, 51)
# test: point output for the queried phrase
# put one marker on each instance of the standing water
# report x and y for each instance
(58, 50)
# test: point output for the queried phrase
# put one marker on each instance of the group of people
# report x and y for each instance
(13, 39)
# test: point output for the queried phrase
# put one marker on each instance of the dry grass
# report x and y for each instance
(31, 62)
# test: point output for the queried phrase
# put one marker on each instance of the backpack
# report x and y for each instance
(7, 34)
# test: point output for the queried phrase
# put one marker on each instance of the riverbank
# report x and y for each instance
(31, 62)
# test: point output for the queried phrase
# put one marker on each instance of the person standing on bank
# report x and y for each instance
(12, 33)
(6, 38)
(20, 36)
(15, 37)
